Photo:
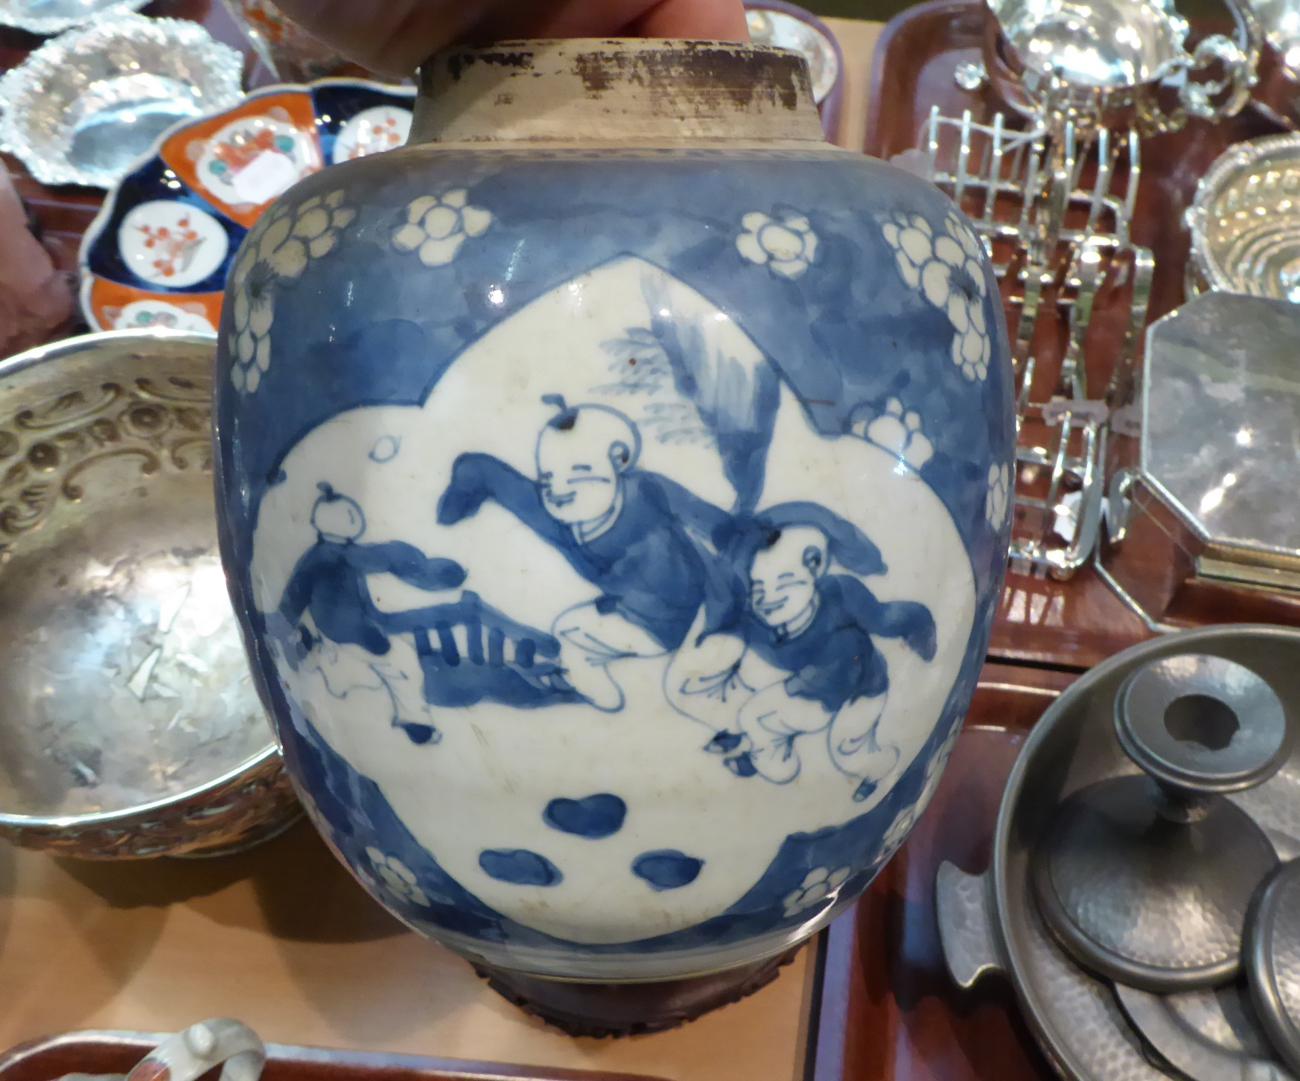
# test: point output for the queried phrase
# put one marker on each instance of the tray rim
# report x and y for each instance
(331, 1059)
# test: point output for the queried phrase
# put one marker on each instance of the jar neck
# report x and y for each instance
(615, 91)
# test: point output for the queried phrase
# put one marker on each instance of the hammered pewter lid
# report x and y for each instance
(1208, 1035)
(1220, 417)
(1273, 959)
(84, 106)
(54, 16)
(1245, 219)
(1147, 879)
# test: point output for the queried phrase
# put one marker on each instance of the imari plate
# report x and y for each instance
(159, 250)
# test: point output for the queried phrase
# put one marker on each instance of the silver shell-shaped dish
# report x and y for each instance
(129, 722)
(84, 106)
(55, 16)
(1245, 220)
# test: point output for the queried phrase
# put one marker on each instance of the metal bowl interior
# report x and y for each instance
(1245, 219)
(85, 105)
(55, 16)
(1075, 1016)
(1109, 44)
(125, 692)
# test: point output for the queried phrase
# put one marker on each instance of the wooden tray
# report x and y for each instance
(889, 1011)
(117, 1052)
(1077, 623)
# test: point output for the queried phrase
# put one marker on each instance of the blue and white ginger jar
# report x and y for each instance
(614, 489)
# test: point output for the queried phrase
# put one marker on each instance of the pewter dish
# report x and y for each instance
(54, 16)
(785, 26)
(129, 722)
(990, 922)
(1211, 1035)
(84, 106)
(206, 182)
(1245, 220)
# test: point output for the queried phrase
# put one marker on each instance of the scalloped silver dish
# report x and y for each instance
(1245, 220)
(85, 105)
(46, 17)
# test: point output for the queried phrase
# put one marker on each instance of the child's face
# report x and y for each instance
(338, 518)
(782, 586)
(577, 478)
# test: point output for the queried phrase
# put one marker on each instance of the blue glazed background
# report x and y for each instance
(369, 325)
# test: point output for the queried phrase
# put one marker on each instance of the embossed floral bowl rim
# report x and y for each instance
(241, 801)
(184, 188)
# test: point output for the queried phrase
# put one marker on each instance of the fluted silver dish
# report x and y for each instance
(55, 16)
(1245, 220)
(85, 105)
(129, 723)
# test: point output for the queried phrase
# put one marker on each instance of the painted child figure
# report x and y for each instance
(634, 534)
(813, 630)
(349, 634)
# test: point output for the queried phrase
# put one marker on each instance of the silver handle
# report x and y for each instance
(1212, 99)
(967, 925)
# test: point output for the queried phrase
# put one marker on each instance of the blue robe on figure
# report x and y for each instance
(647, 565)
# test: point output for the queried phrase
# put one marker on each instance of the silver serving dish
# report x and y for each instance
(784, 26)
(129, 722)
(1220, 413)
(1278, 91)
(990, 922)
(1245, 220)
(84, 106)
(55, 16)
(1279, 21)
(1117, 63)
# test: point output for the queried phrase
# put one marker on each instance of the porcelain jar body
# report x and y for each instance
(616, 525)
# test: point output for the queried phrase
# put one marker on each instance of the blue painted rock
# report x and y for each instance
(614, 489)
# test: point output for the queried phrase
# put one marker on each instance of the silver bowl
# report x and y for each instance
(84, 106)
(1245, 221)
(55, 16)
(129, 723)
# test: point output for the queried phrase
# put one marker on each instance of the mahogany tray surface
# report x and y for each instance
(1077, 623)
(117, 1052)
(889, 1010)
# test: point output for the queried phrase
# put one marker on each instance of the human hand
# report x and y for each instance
(394, 36)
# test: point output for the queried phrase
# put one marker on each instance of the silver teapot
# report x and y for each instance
(1118, 63)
